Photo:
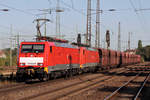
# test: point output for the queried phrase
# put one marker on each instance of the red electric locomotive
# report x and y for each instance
(89, 59)
(40, 59)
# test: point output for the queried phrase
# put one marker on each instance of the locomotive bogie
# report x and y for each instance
(27, 73)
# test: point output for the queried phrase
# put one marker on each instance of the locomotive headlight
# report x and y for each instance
(40, 64)
(22, 64)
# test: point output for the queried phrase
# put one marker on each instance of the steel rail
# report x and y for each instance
(10, 88)
(62, 88)
(116, 91)
(145, 81)
(71, 85)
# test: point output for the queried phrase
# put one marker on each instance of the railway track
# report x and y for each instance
(6, 88)
(58, 92)
(72, 88)
(22, 85)
(140, 67)
(114, 95)
(141, 88)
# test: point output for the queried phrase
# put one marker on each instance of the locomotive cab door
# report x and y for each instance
(82, 57)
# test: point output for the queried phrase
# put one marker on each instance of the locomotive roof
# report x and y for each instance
(32, 42)
(58, 44)
(67, 45)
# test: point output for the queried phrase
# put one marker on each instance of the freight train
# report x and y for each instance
(50, 59)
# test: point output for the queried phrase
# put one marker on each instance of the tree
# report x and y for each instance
(6, 61)
(139, 44)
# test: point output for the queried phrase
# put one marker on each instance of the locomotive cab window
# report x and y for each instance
(26, 48)
(38, 48)
(32, 48)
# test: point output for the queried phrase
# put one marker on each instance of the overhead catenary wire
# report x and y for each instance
(16, 9)
(62, 25)
(140, 4)
(82, 13)
(139, 19)
(35, 15)
(141, 9)
(26, 12)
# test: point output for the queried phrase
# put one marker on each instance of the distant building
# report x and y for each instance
(2, 54)
(131, 51)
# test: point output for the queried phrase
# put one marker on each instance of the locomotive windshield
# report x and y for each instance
(32, 48)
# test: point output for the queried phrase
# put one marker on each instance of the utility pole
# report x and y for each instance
(119, 38)
(129, 40)
(18, 48)
(58, 19)
(97, 40)
(10, 62)
(88, 27)
(45, 27)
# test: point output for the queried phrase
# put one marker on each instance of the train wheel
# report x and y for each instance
(94, 70)
(20, 77)
(53, 75)
(67, 74)
(44, 77)
(80, 71)
(70, 72)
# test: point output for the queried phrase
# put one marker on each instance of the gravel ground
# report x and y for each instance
(95, 92)
(101, 92)
(25, 92)
(4, 69)
(145, 95)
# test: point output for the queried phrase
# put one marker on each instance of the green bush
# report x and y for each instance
(6, 61)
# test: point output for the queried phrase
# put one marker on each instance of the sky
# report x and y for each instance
(22, 13)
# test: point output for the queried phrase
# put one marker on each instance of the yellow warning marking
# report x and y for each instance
(81, 66)
(46, 69)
